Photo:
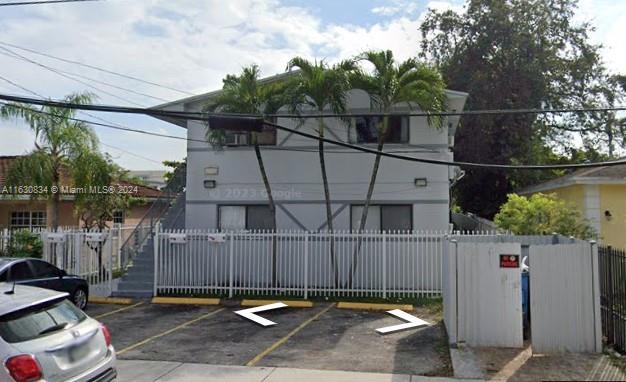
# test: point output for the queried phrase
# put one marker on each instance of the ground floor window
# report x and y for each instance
(28, 219)
(118, 217)
(245, 217)
(383, 217)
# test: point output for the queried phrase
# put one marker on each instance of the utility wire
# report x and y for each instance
(70, 77)
(203, 116)
(311, 136)
(96, 68)
(131, 153)
(90, 79)
(44, 2)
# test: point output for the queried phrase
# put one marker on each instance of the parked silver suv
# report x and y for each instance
(44, 337)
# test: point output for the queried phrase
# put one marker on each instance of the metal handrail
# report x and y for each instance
(155, 213)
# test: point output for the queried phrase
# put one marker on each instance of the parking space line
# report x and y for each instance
(181, 326)
(281, 341)
(117, 310)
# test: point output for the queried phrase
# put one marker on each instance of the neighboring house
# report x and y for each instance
(22, 212)
(151, 178)
(225, 189)
(600, 193)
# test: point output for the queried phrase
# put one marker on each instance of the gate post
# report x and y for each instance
(155, 243)
(231, 265)
(595, 285)
(306, 265)
(384, 267)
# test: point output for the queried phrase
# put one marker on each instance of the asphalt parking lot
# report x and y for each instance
(321, 337)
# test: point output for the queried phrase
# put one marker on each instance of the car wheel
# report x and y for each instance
(79, 298)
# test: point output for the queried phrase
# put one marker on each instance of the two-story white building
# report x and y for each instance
(225, 189)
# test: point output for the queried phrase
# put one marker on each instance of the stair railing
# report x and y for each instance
(145, 228)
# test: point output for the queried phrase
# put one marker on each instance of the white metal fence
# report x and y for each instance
(90, 254)
(299, 263)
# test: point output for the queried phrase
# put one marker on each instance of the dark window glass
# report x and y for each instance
(259, 217)
(38, 322)
(367, 129)
(44, 270)
(20, 271)
(396, 217)
(118, 217)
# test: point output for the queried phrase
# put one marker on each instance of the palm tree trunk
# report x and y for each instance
(368, 198)
(329, 213)
(270, 199)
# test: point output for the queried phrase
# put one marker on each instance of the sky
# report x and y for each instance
(191, 45)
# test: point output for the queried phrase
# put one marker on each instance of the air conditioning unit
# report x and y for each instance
(236, 139)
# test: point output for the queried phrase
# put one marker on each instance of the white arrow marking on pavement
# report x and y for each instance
(250, 313)
(412, 322)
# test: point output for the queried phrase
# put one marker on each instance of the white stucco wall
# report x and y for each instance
(295, 176)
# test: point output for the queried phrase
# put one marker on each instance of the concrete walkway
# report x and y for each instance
(161, 371)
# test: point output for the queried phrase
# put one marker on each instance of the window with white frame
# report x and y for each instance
(384, 217)
(118, 217)
(28, 219)
(245, 217)
(366, 129)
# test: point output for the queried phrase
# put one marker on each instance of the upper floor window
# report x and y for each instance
(267, 137)
(367, 129)
(28, 219)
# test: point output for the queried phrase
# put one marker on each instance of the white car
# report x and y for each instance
(44, 337)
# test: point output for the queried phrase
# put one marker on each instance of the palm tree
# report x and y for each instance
(245, 94)
(59, 142)
(390, 84)
(321, 87)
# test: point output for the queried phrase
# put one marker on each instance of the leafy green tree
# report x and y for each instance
(513, 54)
(93, 171)
(320, 87)
(59, 142)
(542, 214)
(411, 83)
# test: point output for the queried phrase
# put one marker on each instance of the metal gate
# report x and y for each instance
(90, 255)
(612, 264)
(564, 298)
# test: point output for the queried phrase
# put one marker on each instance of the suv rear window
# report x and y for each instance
(39, 321)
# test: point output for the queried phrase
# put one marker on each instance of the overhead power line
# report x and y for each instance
(15, 57)
(71, 77)
(202, 116)
(44, 2)
(96, 68)
(307, 135)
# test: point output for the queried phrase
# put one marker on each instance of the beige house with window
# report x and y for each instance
(23, 212)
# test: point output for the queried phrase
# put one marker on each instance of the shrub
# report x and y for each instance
(542, 214)
(25, 244)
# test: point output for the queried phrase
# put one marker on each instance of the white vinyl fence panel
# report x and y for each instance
(565, 298)
(482, 302)
(299, 263)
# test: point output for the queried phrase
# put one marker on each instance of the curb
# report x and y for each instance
(185, 301)
(110, 300)
(373, 306)
(290, 303)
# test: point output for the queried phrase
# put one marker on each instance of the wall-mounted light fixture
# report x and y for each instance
(607, 215)
(210, 184)
(211, 170)
(421, 182)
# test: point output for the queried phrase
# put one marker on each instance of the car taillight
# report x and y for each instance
(107, 335)
(23, 368)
